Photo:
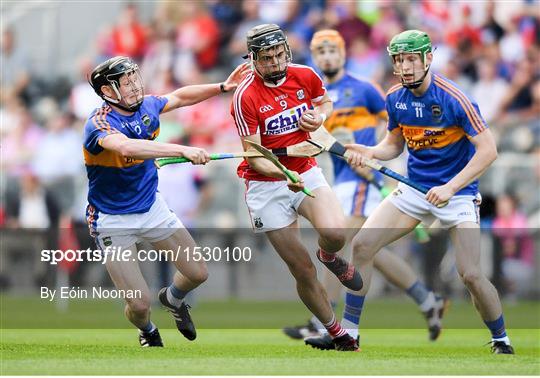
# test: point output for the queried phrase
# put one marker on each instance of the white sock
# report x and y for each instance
(172, 299)
(350, 327)
(505, 340)
(428, 303)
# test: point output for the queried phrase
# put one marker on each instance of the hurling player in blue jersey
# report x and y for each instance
(449, 147)
(124, 205)
(359, 110)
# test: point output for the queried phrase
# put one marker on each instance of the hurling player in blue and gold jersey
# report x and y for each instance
(359, 111)
(124, 206)
(449, 147)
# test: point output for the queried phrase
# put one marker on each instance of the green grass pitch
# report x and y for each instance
(253, 352)
(74, 344)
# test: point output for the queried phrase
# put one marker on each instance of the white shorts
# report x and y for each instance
(111, 230)
(357, 198)
(462, 208)
(273, 206)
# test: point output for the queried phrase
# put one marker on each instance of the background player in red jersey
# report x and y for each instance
(277, 106)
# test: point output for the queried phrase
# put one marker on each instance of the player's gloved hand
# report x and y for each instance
(296, 187)
(236, 77)
(310, 121)
(356, 153)
(440, 194)
(196, 155)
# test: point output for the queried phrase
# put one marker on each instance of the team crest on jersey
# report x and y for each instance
(436, 112)
(107, 241)
(146, 120)
(285, 122)
(258, 222)
(300, 94)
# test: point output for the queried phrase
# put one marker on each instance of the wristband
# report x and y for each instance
(222, 88)
(323, 116)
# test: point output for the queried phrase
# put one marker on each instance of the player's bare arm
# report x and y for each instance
(486, 153)
(389, 148)
(265, 167)
(147, 149)
(314, 118)
(193, 94)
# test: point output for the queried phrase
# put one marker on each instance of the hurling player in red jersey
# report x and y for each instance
(278, 105)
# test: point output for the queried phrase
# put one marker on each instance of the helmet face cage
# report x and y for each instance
(111, 73)
(266, 37)
(273, 72)
(410, 42)
(397, 61)
(133, 83)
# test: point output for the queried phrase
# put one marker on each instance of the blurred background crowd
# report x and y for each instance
(491, 49)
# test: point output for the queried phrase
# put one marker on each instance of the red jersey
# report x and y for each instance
(273, 111)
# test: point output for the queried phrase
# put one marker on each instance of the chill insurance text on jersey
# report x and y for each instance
(274, 111)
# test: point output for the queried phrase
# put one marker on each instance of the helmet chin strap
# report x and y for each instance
(270, 78)
(131, 109)
(414, 84)
(417, 83)
(276, 77)
(117, 102)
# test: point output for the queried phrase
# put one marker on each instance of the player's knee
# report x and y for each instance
(139, 307)
(363, 249)
(336, 237)
(471, 277)
(199, 276)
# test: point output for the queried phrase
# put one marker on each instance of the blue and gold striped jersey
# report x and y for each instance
(119, 185)
(436, 127)
(358, 106)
